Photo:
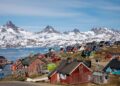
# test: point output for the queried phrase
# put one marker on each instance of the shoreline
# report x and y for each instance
(25, 83)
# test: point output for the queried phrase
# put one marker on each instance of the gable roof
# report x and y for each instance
(113, 64)
(28, 60)
(67, 68)
(70, 67)
(2, 57)
(62, 64)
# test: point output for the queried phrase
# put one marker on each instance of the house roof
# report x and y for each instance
(67, 68)
(70, 67)
(113, 64)
(28, 60)
(115, 53)
(2, 57)
(2, 66)
(62, 64)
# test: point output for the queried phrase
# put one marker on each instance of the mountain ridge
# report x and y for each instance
(13, 36)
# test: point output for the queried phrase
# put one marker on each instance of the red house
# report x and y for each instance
(73, 72)
(54, 77)
(36, 67)
(108, 56)
(17, 65)
(28, 66)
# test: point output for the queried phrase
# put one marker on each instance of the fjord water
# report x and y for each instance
(13, 54)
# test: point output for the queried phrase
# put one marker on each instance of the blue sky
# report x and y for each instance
(63, 15)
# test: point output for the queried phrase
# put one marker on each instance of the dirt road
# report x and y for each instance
(18, 83)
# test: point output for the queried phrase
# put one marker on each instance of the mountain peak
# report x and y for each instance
(49, 29)
(100, 30)
(76, 30)
(9, 24)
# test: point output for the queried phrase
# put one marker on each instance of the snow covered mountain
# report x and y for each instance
(49, 29)
(13, 36)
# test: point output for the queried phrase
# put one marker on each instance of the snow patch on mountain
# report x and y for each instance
(13, 36)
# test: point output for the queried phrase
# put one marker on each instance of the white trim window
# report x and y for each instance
(62, 76)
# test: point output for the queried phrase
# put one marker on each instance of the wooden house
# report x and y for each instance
(69, 48)
(117, 43)
(99, 77)
(17, 65)
(3, 61)
(62, 50)
(54, 75)
(7, 70)
(108, 56)
(71, 72)
(108, 43)
(86, 53)
(28, 65)
(82, 48)
(115, 54)
(1, 75)
(113, 66)
(101, 43)
(36, 67)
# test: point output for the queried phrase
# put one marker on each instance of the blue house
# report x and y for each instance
(1, 75)
(6, 71)
(113, 67)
